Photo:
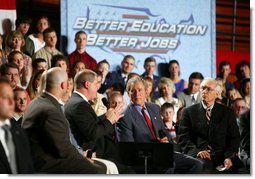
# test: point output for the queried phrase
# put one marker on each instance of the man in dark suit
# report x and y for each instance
(191, 95)
(90, 131)
(150, 66)
(120, 76)
(209, 131)
(142, 123)
(54, 149)
(15, 155)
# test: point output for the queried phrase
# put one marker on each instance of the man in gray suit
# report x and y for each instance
(191, 95)
(142, 123)
(54, 149)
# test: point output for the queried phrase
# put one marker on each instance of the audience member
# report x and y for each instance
(209, 131)
(21, 103)
(166, 89)
(167, 113)
(174, 69)
(80, 52)
(37, 38)
(22, 25)
(191, 95)
(39, 64)
(239, 107)
(60, 61)
(25, 72)
(221, 95)
(224, 72)
(142, 123)
(107, 81)
(242, 71)
(54, 148)
(149, 89)
(11, 72)
(7, 30)
(14, 146)
(121, 75)
(245, 91)
(77, 67)
(97, 103)
(34, 84)
(150, 65)
(69, 90)
(232, 94)
(49, 50)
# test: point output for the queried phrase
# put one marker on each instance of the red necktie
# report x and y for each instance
(149, 123)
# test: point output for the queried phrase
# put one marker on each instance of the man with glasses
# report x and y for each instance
(208, 131)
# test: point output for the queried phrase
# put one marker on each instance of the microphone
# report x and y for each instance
(161, 134)
(105, 102)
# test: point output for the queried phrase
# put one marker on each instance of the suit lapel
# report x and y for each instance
(215, 117)
(154, 119)
(4, 160)
(139, 119)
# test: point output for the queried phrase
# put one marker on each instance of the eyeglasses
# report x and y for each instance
(208, 89)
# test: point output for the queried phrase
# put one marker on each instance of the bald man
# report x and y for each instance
(54, 149)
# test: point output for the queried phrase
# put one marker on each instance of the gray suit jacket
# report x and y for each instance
(185, 98)
(48, 132)
(133, 127)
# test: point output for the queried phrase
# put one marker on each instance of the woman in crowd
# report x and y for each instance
(166, 89)
(16, 42)
(149, 89)
(104, 67)
(174, 70)
(233, 94)
(77, 67)
(245, 91)
(35, 84)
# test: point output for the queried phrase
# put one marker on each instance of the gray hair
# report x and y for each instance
(135, 80)
(217, 85)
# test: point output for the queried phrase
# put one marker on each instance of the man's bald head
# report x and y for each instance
(54, 77)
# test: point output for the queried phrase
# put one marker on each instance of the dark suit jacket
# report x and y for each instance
(117, 78)
(133, 127)
(22, 149)
(89, 130)
(48, 132)
(221, 134)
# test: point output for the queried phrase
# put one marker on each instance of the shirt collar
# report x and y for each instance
(205, 107)
(83, 96)
(5, 122)
(16, 116)
(58, 100)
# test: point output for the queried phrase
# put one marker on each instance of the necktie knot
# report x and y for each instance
(193, 100)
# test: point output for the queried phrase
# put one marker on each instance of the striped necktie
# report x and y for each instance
(149, 123)
(208, 115)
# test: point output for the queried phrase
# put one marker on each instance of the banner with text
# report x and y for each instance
(167, 29)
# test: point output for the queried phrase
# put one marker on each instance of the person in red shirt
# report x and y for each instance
(80, 52)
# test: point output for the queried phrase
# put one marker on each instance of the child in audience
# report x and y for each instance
(167, 113)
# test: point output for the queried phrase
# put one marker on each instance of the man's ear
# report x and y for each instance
(86, 84)
(62, 85)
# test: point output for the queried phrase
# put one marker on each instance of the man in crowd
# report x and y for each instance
(15, 155)
(150, 67)
(239, 106)
(20, 97)
(208, 131)
(23, 25)
(142, 123)
(121, 76)
(49, 50)
(191, 95)
(80, 52)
